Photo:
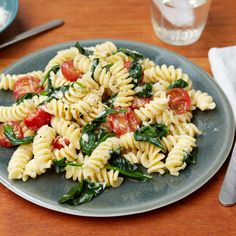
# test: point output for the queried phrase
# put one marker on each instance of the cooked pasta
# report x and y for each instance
(99, 113)
(19, 159)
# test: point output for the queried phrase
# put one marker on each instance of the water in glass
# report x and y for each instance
(179, 22)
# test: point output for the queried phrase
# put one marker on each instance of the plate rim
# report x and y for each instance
(194, 187)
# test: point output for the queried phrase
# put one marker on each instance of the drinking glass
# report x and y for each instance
(179, 22)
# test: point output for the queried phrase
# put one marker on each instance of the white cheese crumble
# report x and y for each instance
(85, 137)
(4, 14)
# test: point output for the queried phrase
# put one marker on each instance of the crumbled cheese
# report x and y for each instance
(85, 137)
(4, 14)
(138, 89)
(59, 94)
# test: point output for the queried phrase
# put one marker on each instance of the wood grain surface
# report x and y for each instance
(198, 214)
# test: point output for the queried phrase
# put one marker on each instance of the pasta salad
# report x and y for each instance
(99, 115)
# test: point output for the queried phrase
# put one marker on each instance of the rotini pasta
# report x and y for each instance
(101, 113)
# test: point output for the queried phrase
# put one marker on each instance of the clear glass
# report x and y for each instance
(179, 22)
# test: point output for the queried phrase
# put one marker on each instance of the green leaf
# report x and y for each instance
(72, 194)
(79, 84)
(178, 84)
(91, 137)
(87, 143)
(90, 140)
(62, 163)
(135, 72)
(107, 67)
(191, 158)
(53, 69)
(26, 96)
(81, 193)
(133, 54)
(152, 134)
(8, 131)
(95, 63)
(119, 163)
(146, 91)
(110, 101)
(59, 165)
(102, 116)
(53, 94)
(91, 190)
(82, 50)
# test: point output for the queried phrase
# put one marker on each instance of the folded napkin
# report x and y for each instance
(223, 66)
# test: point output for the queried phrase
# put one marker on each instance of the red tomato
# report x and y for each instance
(134, 121)
(69, 71)
(26, 84)
(139, 102)
(179, 100)
(37, 119)
(127, 64)
(4, 142)
(122, 123)
(60, 142)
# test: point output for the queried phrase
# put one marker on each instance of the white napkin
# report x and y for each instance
(223, 66)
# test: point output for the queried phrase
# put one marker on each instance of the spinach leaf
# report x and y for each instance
(178, 84)
(146, 91)
(191, 158)
(102, 116)
(110, 101)
(82, 50)
(8, 131)
(62, 163)
(47, 76)
(82, 192)
(26, 96)
(107, 67)
(79, 84)
(90, 140)
(133, 54)
(91, 137)
(73, 193)
(53, 93)
(135, 72)
(91, 190)
(119, 163)
(95, 62)
(152, 134)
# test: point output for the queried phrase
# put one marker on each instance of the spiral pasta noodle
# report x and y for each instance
(175, 159)
(62, 56)
(42, 151)
(68, 129)
(100, 156)
(19, 159)
(102, 114)
(16, 112)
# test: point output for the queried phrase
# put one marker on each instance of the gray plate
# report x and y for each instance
(133, 197)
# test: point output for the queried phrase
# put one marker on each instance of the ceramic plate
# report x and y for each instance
(133, 197)
(11, 8)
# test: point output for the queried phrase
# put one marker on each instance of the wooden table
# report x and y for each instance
(198, 214)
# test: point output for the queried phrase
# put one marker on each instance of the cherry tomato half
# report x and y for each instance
(127, 64)
(60, 142)
(179, 100)
(69, 72)
(139, 102)
(4, 142)
(37, 119)
(26, 84)
(122, 123)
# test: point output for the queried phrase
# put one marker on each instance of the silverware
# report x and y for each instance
(32, 32)
(227, 195)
